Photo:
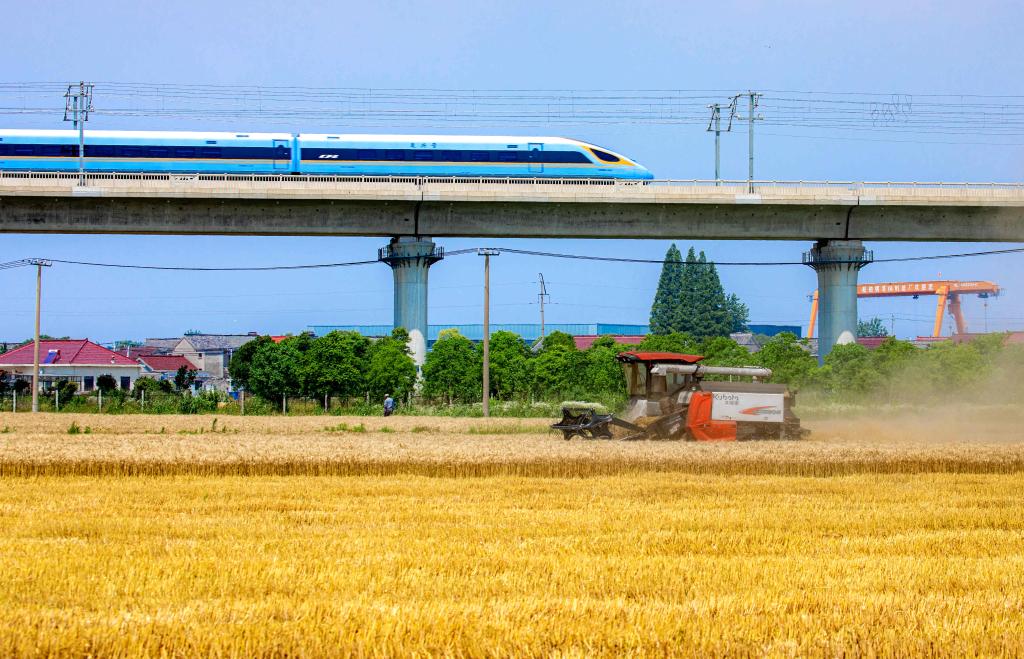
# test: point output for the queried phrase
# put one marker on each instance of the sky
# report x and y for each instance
(915, 50)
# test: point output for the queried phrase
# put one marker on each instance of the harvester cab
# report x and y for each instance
(669, 398)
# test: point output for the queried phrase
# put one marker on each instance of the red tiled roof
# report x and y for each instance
(76, 352)
(584, 341)
(139, 351)
(167, 362)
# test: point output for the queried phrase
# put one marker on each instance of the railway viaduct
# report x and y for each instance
(835, 217)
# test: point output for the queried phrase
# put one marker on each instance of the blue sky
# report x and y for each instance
(912, 48)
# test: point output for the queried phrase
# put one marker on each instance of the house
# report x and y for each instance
(164, 367)
(211, 354)
(78, 360)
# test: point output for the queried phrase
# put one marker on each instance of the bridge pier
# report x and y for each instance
(837, 263)
(410, 259)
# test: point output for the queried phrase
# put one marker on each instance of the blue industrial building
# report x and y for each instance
(531, 331)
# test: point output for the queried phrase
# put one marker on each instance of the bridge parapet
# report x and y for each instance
(457, 189)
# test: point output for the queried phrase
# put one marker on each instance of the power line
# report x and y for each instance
(506, 250)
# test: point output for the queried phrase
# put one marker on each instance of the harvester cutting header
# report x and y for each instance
(670, 399)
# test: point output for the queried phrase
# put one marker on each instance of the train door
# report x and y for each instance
(534, 157)
(282, 159)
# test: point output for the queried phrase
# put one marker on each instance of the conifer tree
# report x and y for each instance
(664, 311)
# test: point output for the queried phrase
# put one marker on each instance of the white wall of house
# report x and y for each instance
(84, 376)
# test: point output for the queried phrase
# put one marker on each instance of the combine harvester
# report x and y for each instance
(670, 399)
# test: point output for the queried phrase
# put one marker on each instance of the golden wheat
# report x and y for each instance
(658, 564)
(190, 445)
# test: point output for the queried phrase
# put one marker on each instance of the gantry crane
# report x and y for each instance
(946, 290)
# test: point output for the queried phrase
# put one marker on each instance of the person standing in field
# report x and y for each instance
(389, 405)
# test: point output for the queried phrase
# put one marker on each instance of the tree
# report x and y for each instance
(184, 378)
(150, 386)
(665, 309)
(873, 327)
(723, 351)
(558, 372)
(390, 369)
(848, 370)
(674, 342)
(709, 315)
(106, 383)
(553, 340)
(509, 357)
(275, 370)
(789, 361)
(739, 313)
(241, 361)
(452, 369)
(603, 373)
(335, 365)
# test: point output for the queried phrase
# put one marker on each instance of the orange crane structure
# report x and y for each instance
(948, 291)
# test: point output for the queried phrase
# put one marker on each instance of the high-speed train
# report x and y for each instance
(320, 153)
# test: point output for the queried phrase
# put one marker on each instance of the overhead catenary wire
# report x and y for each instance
(504, 250)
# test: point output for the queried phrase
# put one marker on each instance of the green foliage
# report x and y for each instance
(390, 369)
(336, 365)
(152, 387)
(553, 341)
(558, 372)
(106, 383)
(665, 310)
(184, 378)
(673, 342)
(509, 374)
(241, 362)
(871, 328)
(849, 369)
(65, 390)
(602, 373)
(690, 299)
(739, 313)
(451, 372)
(723, 351)
(790, 362)
(275, 370)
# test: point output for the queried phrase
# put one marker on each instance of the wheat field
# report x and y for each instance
(326, 536)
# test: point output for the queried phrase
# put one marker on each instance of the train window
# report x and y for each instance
(48, 150)
(423, 155)
(508, 156)
(185, 152)
(99, 150)
(130, 151)
(365, 154)
(207, 152)
(605, 156)
(159, 152)
(24, 150)
(394, 154)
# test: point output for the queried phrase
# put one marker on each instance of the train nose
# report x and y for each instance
(643, 173)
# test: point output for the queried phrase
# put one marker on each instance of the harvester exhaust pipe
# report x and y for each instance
(699, 370)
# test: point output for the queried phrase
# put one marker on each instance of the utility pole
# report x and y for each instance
(716, 121)
(487, 254)
(753, 99)
(77, 106)
(39, 263)
(543, 294)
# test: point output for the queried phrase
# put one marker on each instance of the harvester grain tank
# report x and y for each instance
(669, 398)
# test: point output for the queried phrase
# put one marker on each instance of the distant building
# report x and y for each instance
(211, 354)
(164, 367)
(78, 360)
(772, 330)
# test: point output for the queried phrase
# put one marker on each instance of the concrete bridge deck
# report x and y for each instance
(42, 202)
